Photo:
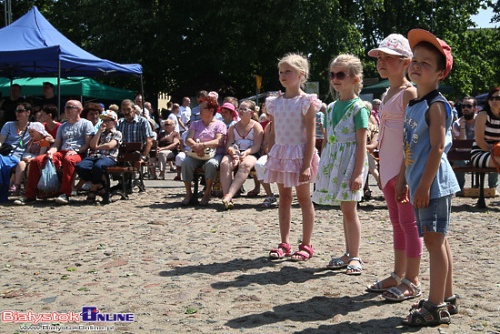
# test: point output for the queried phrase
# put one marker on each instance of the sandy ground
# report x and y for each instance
(205, 270)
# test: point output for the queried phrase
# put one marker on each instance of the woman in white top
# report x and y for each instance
(244, 139)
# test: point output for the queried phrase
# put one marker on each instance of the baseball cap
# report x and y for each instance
(394, 44)
(109, 114)
(416, 36)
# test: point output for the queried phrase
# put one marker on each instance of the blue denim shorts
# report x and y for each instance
(435, 217)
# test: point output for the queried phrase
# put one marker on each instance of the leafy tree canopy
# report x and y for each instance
(188, 45)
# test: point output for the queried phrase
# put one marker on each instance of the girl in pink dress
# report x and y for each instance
(393, 58)
(293, 160)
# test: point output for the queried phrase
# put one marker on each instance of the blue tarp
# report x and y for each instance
(32, 47)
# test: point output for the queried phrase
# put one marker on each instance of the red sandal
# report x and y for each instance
(281, 251)
(304, 253)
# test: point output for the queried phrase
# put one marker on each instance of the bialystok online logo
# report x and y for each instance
(88, 314)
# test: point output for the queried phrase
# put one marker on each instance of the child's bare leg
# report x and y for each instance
(304, 198)
(352, 231)
(20, 171)
(256, 186)
(439, 265)
(267, 189)
(352, 227)
(285, 212)
(449, 278)
(226, 174)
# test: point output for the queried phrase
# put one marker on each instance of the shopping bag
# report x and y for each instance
(49, 181)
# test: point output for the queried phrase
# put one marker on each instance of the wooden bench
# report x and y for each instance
(128, 164)
(460, 150)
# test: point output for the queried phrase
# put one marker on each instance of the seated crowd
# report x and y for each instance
(224, 143)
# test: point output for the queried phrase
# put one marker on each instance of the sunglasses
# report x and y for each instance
(71, 107)
(339, 75)
(495, 98)
(21, 110)
(467, 106)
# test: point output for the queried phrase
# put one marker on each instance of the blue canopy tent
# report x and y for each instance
(32, 47)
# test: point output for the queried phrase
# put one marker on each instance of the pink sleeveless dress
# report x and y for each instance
(286, 157)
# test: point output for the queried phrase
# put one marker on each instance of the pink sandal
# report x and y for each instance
(281, 251)
(303, 254)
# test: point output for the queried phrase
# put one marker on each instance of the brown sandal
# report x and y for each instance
(428, 315)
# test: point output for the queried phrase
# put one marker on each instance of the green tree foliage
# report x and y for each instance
(187, 45)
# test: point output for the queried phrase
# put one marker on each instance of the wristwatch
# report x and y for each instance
(144, 157)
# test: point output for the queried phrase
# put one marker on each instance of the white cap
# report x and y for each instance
(394, 44)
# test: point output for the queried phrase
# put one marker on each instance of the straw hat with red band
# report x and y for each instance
(416, 36)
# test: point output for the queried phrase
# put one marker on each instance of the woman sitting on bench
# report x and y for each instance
(206, 133)
(487, 133)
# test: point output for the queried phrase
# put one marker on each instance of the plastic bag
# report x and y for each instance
(49, 181)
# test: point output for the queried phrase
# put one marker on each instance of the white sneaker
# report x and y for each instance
(62, 199)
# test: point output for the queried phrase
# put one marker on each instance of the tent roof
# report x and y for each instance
(31, 46)
(74, 86)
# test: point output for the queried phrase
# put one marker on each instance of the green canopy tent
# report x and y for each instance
(84, 88)
(379, 88)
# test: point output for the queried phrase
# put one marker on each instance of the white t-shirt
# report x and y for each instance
(185, 115)
(173, 117)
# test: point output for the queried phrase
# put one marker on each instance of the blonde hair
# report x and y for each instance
(251, 104)
(354, 69)
(298, 62)
(114, 107)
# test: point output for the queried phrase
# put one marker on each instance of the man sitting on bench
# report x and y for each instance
(135, 128)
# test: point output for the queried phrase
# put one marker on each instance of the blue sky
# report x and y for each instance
(483, 18)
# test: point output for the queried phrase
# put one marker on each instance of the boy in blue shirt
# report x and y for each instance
(428, 173)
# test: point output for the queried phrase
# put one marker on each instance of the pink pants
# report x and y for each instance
(404, 224)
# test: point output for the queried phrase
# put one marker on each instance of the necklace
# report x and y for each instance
(19, 128)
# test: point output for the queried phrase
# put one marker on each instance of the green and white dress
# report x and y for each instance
(339, 156)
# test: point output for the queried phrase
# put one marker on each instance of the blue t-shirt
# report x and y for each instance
(12, 137)
(418, 146)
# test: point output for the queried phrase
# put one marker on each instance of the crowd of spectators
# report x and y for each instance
(82, 140)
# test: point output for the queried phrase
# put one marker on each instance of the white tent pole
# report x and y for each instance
(59, 90)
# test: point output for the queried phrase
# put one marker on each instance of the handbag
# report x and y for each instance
(6, 149)
(209, 154)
